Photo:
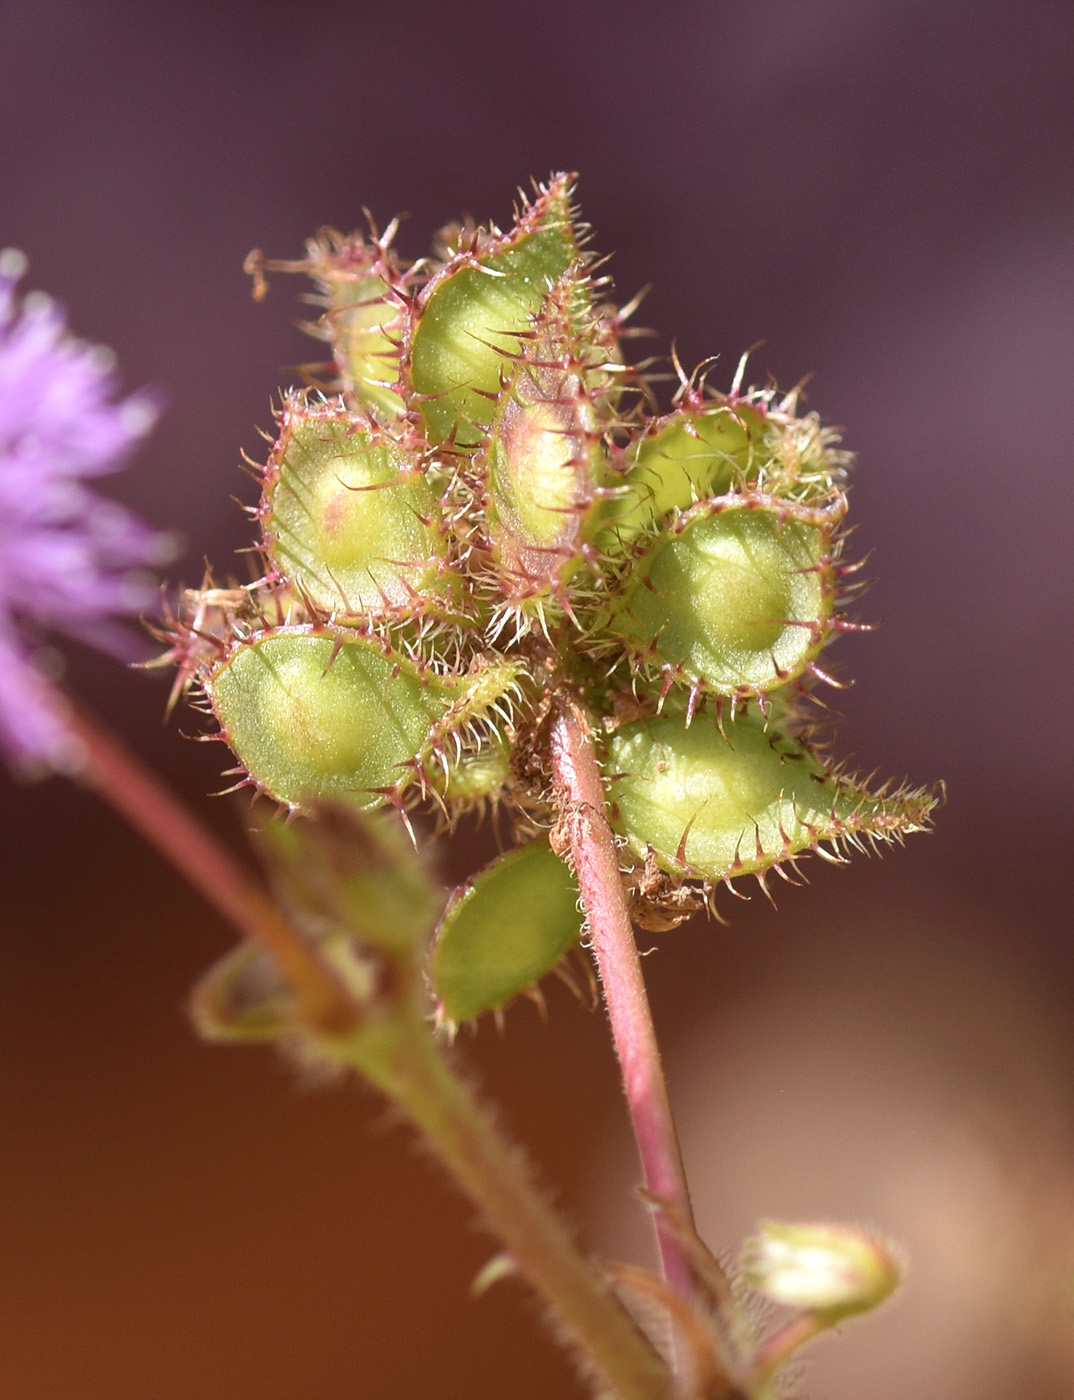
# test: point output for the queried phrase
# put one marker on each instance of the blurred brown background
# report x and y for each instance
(883, 193)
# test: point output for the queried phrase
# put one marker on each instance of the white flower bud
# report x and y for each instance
(831, 1269)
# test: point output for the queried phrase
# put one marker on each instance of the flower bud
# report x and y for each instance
(830, 1269)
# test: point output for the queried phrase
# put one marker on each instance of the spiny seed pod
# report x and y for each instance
(735, 598)
(689, 456)
(478, 308)
(712, 801)
(543, 459)
(349, 518)
(314, 713)
(364, 292)
(478, 531)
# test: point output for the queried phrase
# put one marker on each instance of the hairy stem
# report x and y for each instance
(581, 802)
(110, 769)
(792, 1335)
(411, 1069)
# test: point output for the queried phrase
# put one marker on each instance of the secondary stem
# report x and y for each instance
(416, 1077)
(581, 800)
(153, 810)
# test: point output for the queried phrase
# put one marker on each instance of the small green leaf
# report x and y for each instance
(504, 930)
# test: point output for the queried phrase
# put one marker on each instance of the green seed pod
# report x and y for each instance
(712, 807)
(689, 456)
(317, 712)
(503, 931)
(479, 308)
(543, 458)
(473, 775)
(312, 715)
(365, 316)
(735, 600)
(348, 518)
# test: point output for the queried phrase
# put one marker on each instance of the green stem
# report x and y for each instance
(406, 1064)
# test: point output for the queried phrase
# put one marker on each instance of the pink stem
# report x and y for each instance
(788, 1339)
(581, 799)
(153, 810)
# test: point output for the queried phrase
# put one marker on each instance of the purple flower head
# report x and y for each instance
(69, 558)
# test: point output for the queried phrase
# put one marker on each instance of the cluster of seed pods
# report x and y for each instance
(481, 508)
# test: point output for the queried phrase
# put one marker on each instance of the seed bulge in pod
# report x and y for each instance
(686, 457)
(347, 516)
(734, 600)
(310, 715)
(711, 806)
(477, 310)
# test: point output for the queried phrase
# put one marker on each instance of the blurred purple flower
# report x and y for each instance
(68, 557)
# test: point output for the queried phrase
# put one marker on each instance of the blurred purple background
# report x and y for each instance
(883, 194)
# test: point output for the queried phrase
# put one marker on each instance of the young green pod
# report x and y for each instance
(713, 803)
(689, 456)
(344, 874)
(479, 308)
(311, 715)
(543, 457)
(476, 773)
(364, 317)
(735, 599)
(348, 518)
(503, 930)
